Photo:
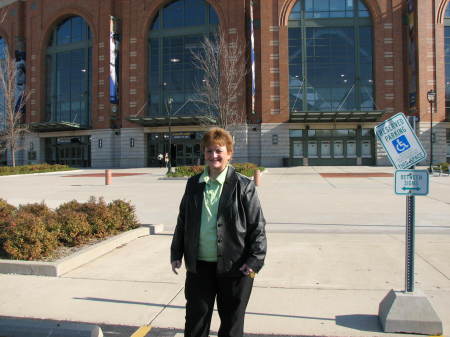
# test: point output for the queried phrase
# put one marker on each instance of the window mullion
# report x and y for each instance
(357, 68)
(54, 88)
(304, 72)
(86, 89)
(161, 75)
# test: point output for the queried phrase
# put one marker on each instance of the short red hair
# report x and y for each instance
(218, 136)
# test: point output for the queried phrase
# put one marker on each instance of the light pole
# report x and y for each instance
(168, 105)
(431, 96)
(169, 115)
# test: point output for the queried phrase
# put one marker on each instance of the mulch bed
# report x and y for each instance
(356, 175)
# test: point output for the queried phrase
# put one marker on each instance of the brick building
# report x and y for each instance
(326, 72)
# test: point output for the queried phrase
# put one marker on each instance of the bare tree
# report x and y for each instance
(222, 63)
(12, 104)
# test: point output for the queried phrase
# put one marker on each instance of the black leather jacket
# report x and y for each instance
(241, 236)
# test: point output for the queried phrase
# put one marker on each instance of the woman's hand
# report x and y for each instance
(175, 265)
(247, 271)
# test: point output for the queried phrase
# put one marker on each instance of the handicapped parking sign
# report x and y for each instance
(402, 146)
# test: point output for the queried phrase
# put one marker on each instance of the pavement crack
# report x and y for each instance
(166, 305)
(432, 266)
(444, 202)
(328, 182)
(423, 258)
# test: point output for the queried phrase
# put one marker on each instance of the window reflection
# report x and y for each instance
(177, 30)
(330, 62)
(68, 72)
(447, 61)
(2, 96)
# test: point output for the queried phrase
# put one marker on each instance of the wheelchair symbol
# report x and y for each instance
(401, 144)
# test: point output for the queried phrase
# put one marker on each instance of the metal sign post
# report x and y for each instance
(410, 231)
(397, 312)
(410, 238)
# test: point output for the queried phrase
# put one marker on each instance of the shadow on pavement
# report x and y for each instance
(129, 302)
(171, 306)
(360, 322)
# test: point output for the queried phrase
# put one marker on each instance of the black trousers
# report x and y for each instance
(201, 290)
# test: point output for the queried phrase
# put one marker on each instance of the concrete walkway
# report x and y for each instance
(336, 247)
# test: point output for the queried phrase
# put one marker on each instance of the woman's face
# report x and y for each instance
(217, 157)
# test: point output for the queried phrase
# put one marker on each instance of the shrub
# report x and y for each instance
(186, 171)
(34, 231)
(24, 169)
(247, 169)
(72, 205)
(444, 166)
(124, 214)
(42, 211)
(99, 217)
(6, 212)
(74, 228)
(27, 238)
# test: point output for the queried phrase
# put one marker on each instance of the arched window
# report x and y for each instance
(68, 61)
(2, 95)
(447, 60)
(177, 28)
(330, 56)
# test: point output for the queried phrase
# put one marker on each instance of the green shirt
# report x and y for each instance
(207, 249)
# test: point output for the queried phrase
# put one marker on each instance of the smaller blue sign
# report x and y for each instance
(401, 144)
(412, 182)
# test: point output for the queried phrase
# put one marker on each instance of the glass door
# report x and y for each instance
(325, 150)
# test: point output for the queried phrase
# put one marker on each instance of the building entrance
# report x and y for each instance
(3, 158)
(185, 148)
(72, 151)
(332, 147)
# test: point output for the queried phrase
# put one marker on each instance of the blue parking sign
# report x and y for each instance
(400, 141)
(401, 144)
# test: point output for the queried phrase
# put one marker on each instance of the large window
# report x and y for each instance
(447, 61)
(176, 30)
(68, 62)
(330, 56)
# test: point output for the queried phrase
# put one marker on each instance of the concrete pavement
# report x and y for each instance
(336, 247)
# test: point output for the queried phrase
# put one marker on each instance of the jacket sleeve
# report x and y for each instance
(177, 247)
(256, 241)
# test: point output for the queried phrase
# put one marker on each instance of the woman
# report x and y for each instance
(220, 233)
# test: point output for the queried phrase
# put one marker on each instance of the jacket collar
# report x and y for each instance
(228, 189)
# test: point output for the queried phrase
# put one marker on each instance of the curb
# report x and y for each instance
(68, 263)
(19, 327)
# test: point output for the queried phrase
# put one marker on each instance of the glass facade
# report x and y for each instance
(325, 146)
(447, 61)
(73, 151)
(330, 56)
(185, 149)
(177, 29)
(2, 96)
(68, 64)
